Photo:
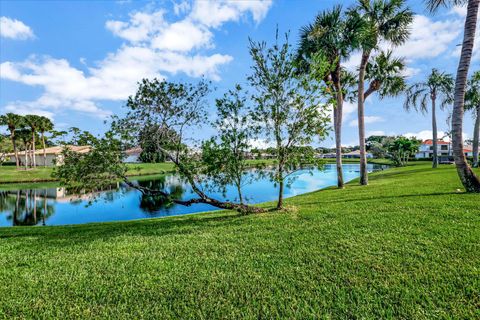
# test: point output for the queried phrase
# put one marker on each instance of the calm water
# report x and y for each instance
(55, 206)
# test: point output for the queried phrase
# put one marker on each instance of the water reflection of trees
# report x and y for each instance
(153, 203)
(26, 207)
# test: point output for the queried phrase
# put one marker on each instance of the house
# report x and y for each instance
(445, 150)
(132, 155)
(356, 155)
(53, 155)
(425, 151)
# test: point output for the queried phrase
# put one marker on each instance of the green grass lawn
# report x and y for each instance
(406, 246)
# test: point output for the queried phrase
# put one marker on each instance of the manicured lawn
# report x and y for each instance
(406, 246)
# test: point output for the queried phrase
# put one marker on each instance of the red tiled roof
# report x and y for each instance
(430, 142)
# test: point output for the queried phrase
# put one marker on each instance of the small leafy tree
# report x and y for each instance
(401, 149)
(225, 154)
(378, 145)
(287, 109)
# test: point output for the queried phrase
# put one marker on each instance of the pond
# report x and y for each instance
(55, 206)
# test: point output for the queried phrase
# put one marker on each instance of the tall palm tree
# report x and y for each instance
(439, 85)
(468, 178)
(324, 45)
(472, 102)
(13, 122)
(33, 121)
(383, 21)
(45, 125)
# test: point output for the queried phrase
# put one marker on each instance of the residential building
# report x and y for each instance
(53, 155)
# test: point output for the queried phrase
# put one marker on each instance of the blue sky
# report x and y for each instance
(77, 61)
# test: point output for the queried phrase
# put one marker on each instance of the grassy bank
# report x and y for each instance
(10, 175)
(406, 246)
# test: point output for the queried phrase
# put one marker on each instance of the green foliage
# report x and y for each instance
(472, 95)
(94, 170)
(288, 110)
(378, 145)
(385, 75)
(438, 85)
(401, 149)
(224, 156)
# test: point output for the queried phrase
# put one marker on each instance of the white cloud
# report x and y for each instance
(14, 29)
(213, 13)
(260, 143)
(428, 134)
(429, 38)
(368, 120)
(183, 36)
(141, 26)
(154, 47)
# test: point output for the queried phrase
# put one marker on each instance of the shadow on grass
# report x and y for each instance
(145, 227)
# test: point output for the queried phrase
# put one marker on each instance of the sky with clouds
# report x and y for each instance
(77, 61)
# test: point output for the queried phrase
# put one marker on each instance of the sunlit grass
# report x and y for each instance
(406, 246)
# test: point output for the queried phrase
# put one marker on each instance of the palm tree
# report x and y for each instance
(33, 121)
(323, 46)
(45, 125)
(472, 102)
(26, 136)
(438, 85)
(13, 122)
(468, 178)
(383, 20)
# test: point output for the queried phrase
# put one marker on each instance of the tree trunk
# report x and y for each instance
(26, 157)
(435, 134)
(33, 150)
(15, 151)
(468, 178)
(44, 150)
(361, 118)
(476, 134)
(280, 195)
(337, 123)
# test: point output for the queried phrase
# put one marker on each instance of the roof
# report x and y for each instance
(58, 150)
(136, 150)
(430, 142)
(353, 153)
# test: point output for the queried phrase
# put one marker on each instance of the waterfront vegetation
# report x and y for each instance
(10, 175)
(406, 246)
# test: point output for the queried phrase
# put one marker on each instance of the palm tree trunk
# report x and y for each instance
(26, 156)
(337, 123)
(33, 149)
(435, 134)
(476, 134)
(468, 178)
(361, 118)
(44, 150)
(15, 151)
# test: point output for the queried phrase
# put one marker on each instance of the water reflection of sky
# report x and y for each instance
(39, 206)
